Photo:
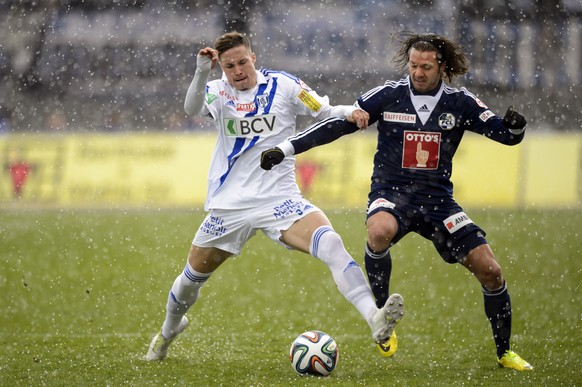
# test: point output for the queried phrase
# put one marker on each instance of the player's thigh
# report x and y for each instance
(206, 259)
(289, 221)
(453, 233)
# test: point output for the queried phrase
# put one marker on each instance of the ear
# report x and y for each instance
(253, 57)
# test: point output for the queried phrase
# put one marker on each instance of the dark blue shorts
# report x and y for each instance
(451, 231)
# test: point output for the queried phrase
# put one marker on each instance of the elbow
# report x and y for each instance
(191, 109)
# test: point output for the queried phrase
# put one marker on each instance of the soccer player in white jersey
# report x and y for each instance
(254, 111)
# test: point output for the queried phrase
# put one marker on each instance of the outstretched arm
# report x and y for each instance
(320, 133)
(317, 134)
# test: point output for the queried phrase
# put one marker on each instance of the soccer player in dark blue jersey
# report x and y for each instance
(421, 121)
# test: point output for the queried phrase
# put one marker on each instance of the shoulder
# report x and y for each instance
(463, 94)
(389, 87)
(400, 84)
(217, 84)
(458, 92)
(281, 77)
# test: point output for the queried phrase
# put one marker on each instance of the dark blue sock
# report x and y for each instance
(498, 311)
(378, 268)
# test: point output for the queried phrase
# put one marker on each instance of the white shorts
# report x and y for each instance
(229, 230)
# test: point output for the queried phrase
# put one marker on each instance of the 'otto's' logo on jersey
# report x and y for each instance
(250, 126)
(421, 150)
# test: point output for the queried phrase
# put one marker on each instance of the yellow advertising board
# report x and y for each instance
(151, 170)
(487, 173)
(156, 170)
(553, 171)
(170, 170)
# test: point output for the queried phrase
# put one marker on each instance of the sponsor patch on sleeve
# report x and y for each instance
(456, 221)
(480, 103)
(309, 101)
(487, 114)
(210, 98)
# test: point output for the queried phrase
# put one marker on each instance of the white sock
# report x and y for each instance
(182, 296)
(327, 245)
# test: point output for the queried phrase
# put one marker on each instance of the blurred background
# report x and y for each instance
(92, 91)
(125, 65)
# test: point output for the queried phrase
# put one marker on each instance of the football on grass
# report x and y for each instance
(314, 353)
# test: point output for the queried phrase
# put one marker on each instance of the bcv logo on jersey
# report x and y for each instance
(250, 126)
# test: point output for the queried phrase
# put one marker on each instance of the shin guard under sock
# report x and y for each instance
(498, 311)
(378, 268)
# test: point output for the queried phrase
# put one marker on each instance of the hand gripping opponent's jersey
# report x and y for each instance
(418, 135)
(248, 123)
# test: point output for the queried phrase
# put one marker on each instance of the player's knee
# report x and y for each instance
(491, 276)
(379, 236)
(495, 277)
(382, 227)
(328, 246)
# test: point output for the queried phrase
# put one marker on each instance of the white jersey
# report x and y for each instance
(248, 123)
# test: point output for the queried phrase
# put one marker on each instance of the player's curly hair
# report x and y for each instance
(448, 52)
(231, 40)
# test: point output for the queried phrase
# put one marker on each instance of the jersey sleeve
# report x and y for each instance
(308, 101)
(321, 133)
(481, 120)
(211, 100)
(371, 102)
(332, 128)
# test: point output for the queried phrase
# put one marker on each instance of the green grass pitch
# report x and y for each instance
(83, 291)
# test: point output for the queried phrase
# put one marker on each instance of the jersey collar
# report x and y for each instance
(260, 79)
(432, 93)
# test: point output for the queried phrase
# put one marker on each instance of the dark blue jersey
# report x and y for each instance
(418, 135)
